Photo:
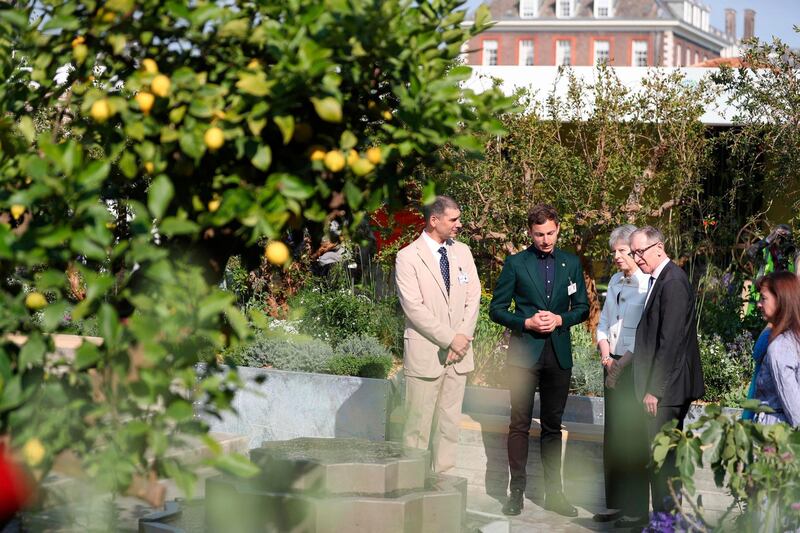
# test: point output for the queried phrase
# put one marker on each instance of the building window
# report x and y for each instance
(602, 52)
(639, 53)
(678, 55)
(489, 53)
(696, 16)
(696, 57)
(563, 53)
(603, 8)
(526, 52)
(565, 8)
(687, 12)
(527, 8)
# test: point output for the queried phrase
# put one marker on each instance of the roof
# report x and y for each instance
(541, 81)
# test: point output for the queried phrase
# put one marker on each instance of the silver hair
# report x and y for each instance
(653, 235)
(439, 205)
(621, 234)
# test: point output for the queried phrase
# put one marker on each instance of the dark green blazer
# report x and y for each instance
(520, 282)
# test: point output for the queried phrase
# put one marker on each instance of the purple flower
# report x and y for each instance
(796, 506)
(769, 450)
(787, 457)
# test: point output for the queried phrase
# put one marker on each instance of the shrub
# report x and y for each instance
(727, 368)
(489, 347)
(363, 356)
(298, 353)
(587, 372)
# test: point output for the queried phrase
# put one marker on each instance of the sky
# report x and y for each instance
(773, 17)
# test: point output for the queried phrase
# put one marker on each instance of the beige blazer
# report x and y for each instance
(432, 316)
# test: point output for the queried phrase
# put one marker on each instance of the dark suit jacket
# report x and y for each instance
(521, 282)
(666, 362)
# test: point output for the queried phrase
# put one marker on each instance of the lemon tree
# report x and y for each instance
(144, 143)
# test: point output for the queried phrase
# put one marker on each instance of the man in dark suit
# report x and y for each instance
(666, 368)
(547, 288)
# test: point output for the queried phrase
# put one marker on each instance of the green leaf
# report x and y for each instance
(329, 109)
(293, 187)
(27, 129)
(353, 194)
(159, 195)
(191, 143)
(108, 323)
(348, 140)
(180, 410)
(429, 193)
(32, 352)
(87, 355)
(171, 226)
(53, 314)
(254, 83)
(286, 125)
(236, 464)
(127, 164)
(263, 157)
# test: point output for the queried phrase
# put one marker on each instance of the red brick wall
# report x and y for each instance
(701, 52)
(544, 45)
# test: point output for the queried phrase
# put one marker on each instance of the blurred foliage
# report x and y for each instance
(489, 349)
(727, 368)
(756, 463)
(298, 353)
(587, 372)
(180, 134)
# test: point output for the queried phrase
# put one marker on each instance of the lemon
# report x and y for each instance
(254, 63)
(160, 85)
(213, 205)
(317, 153)
(277, 253)
(334, 160)
(145, 101)
(362, 167)
(374, 155)
(387, 115)
(150, 66)
(352, 157)
(17, 210)
(33, 452)
(79, 52)
(214, 138)
(35, 301)
(80, 39)
(100, 110)
(149, 167)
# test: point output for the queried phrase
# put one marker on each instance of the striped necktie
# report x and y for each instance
(444, 266)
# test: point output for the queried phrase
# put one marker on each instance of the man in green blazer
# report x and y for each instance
(546, 286)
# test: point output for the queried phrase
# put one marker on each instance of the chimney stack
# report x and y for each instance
(730, 23)
(749, 24)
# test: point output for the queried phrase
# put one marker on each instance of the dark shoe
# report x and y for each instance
(631, 522)
(558, 503)
(608, 516)
(514, 503)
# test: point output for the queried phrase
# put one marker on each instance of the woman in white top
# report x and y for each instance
(625, 451)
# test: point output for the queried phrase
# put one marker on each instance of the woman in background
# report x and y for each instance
(778, 381)
(624, 440)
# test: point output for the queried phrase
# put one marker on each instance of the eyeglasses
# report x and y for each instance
(640, 253)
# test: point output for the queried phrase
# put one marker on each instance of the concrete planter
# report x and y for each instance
(287, 405)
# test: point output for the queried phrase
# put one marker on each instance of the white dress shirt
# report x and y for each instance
(434, 246)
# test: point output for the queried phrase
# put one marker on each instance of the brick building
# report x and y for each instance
(669, 33)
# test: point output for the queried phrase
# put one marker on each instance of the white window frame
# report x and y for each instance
(490, 51)
(688, 61)
(560, 3)
(637, 47)
(678, 55)
(607, 45)
(687, 12)
(559, 51)
(524, 46)
(696, 16)
(528, 9)
(696, 58)
(598, 6)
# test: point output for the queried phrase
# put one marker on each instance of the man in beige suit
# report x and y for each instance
(440, 293)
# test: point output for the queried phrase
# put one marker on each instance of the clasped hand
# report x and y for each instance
(458, 348)
(543, 322)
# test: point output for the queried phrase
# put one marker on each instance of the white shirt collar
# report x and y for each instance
(659, 268)
(434, 246)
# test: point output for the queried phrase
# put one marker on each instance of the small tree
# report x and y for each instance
(183, 133)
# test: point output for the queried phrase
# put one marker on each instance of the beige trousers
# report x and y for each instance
(435, 403)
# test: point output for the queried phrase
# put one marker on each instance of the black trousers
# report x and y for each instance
(553, 383)
(662, 501)
(625, 451)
